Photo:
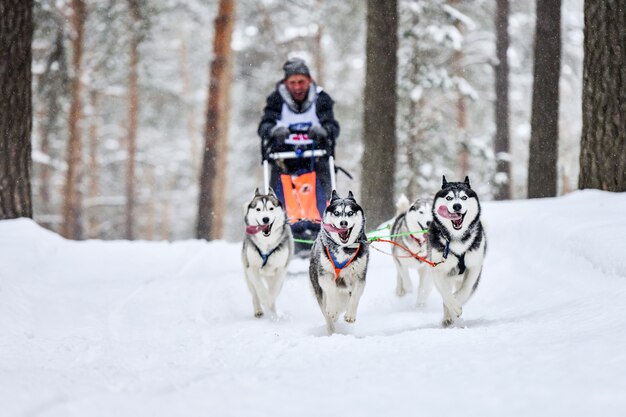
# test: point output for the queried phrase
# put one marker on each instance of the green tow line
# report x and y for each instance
(371, 238)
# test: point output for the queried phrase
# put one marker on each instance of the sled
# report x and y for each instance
(299, 187)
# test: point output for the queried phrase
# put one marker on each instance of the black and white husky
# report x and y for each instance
(267, 249)
(338, 260)
(458, 244)
(407, 230)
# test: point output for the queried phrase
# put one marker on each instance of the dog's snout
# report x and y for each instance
(456, 207)
(265, 220)
(428, 223)
(343, 224)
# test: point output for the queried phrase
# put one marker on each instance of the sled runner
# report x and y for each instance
(298, 185)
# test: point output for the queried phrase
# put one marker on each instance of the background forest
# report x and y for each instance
(445, 109)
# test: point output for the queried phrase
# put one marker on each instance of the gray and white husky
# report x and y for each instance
(267, 249)
(338, 260)
(458, 244)
(407, 230)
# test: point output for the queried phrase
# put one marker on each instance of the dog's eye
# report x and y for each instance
(336, 213)
(350, 213)
(449, 198)
(464, 198)
(412, 208)
(421, 212)
(271, 208)
(258, 209)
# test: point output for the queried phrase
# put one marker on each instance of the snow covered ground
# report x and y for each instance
(166, 329)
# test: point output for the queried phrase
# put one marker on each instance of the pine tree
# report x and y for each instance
(16, 31)
(544, 138)
(603, 143)
(380, 97)
(213, 179)
(501, 143)
(72, 227)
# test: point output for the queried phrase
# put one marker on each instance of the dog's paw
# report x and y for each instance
(258, 314)
(400, 291)
(349, 318)
(332, 316)
(457, 323)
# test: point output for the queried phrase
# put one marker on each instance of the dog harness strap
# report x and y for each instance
(265, 256)
(416, 239)
(461, 258)
(462, 266)
(338, 266)
(446, 250)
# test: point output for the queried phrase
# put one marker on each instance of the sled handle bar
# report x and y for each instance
(292, 155)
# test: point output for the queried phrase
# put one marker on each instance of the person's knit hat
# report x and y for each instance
(296, 66)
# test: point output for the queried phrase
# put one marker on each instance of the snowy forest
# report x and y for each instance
(125, 115)
(130, 148)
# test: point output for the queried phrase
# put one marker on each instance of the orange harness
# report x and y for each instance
(338, 266)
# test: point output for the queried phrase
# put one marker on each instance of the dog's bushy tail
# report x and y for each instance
(402, 205)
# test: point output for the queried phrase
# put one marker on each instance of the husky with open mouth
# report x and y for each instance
(458, 245)
(338, 260)
(408, 230)
(267, 249)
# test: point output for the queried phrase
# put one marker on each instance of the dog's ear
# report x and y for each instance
(444, 182)
(467, 182)
(334, 195)
(271, 192)
(350, 195)
(257, 192)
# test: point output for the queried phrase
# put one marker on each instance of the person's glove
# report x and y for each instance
(320, 136)
(318, 133)
(279, 134)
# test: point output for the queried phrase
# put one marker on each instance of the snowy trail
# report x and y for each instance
(160, 329)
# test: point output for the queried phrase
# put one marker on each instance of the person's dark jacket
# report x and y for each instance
(324, 110)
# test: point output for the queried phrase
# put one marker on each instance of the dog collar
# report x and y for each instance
(338, 266)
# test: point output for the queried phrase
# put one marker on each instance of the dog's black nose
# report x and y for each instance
(266, 220)
(343, 224)
(456, 207)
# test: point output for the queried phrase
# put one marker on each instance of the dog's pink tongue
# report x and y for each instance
(330, 228)
(254, 229)
(443, 212)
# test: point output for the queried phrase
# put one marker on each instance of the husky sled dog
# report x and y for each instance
(338, 260)
(458, 241)
(267, 249)
(410, 221)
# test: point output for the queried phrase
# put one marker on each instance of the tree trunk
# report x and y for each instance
(210, 218)
(501, 143)
(544, 137)
(94, 166)
(318, 51)
(16, 32)
(461, 107)
(603, 142)
(51, 88)
(133, 117)
(190, 114)
(72, 227)
(379, 125)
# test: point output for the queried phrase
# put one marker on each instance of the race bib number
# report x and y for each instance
(298, 139)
